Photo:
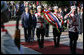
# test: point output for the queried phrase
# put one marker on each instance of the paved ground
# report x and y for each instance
(25, 50)
(64, 37)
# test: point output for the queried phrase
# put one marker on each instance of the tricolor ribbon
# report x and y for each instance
(52, 19)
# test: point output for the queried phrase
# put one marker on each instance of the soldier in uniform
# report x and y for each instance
(7, 43)
(56, 34)
(40, 28)
(73, 29)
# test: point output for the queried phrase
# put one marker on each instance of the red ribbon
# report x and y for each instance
(48, 20)
(56, 25)
(51, 18)
(46, 11)
(3, 30)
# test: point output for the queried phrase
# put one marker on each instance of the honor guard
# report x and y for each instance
(40, 28)
(73, 29)
(56, 34)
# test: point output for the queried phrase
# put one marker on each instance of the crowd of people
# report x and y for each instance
(32, 19)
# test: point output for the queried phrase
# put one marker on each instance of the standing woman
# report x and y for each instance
(73, 29)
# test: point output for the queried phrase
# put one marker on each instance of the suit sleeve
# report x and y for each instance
(30, 17)
(35, 21)
(22, 18)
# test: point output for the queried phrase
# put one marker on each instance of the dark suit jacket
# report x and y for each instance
(34, 21)
(26, 21)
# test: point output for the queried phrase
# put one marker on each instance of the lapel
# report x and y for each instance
(26, 16)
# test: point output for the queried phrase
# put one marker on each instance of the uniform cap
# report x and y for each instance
(55, 7)
(38, 7)
(73, 7)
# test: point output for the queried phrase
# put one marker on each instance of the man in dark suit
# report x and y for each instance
(34, 22)
(26, 23)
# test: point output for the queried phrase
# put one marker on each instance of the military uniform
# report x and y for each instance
(40, 28)
(56, 34)
(73, 30)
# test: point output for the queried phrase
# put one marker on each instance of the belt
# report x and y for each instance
(41, 23)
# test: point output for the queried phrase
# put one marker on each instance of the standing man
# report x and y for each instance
(56, 34)
(26, 23)
(79, 16)
(73, 29)
(61, 12)
(40, 27)
(81, 20)
(34, 22)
